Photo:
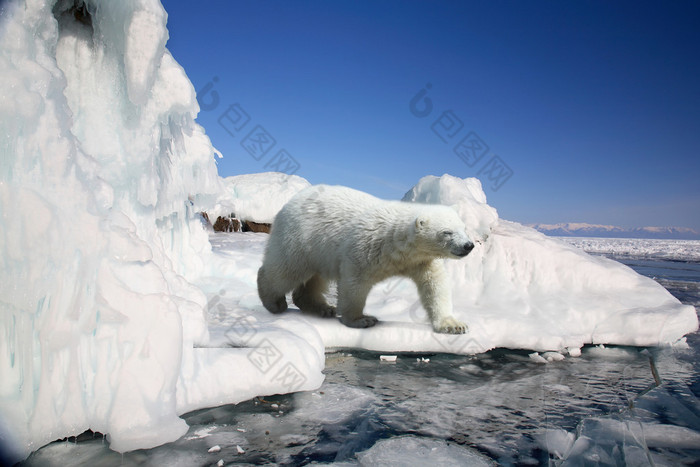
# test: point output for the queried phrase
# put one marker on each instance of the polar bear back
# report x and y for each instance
(323, 226)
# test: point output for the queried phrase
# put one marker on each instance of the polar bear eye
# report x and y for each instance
(446, 233)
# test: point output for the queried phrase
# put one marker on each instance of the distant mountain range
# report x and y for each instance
(573, 229)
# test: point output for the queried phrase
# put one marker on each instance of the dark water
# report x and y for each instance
(610, 406)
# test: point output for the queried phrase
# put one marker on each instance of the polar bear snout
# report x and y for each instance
(463, 249)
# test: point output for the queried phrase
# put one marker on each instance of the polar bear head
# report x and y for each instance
(440, 232)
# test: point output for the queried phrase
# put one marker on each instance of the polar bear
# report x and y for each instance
(332, 233)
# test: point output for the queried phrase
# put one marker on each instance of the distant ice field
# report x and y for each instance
(672, 250)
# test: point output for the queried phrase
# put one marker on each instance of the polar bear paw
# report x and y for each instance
(277, 305)
(326, 311)
(363, 321)
(449, 325)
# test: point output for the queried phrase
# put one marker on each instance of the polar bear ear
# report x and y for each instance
(421, 221)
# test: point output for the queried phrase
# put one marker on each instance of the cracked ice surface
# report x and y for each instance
(499, 406)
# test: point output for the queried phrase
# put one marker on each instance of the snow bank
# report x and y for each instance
(103, 171)
(256, 197)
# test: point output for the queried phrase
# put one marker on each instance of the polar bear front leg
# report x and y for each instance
(270, 292)
(436, 296)
(352, 296)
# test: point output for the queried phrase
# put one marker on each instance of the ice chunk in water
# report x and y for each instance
(413, 450)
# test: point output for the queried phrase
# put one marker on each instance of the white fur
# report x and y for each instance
(327, 233)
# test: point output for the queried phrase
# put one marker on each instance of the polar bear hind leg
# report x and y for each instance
(309, 297)
(352, 297)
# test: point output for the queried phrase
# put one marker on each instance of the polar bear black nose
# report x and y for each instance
(469, 246)
(464, 249)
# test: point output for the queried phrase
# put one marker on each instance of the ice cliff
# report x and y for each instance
(103, 170)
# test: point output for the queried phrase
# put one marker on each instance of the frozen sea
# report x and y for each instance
(610, 406)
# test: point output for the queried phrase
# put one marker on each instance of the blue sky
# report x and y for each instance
(567, 111)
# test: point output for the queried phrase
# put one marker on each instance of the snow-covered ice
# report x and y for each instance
(517, 289)
(118, 311)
